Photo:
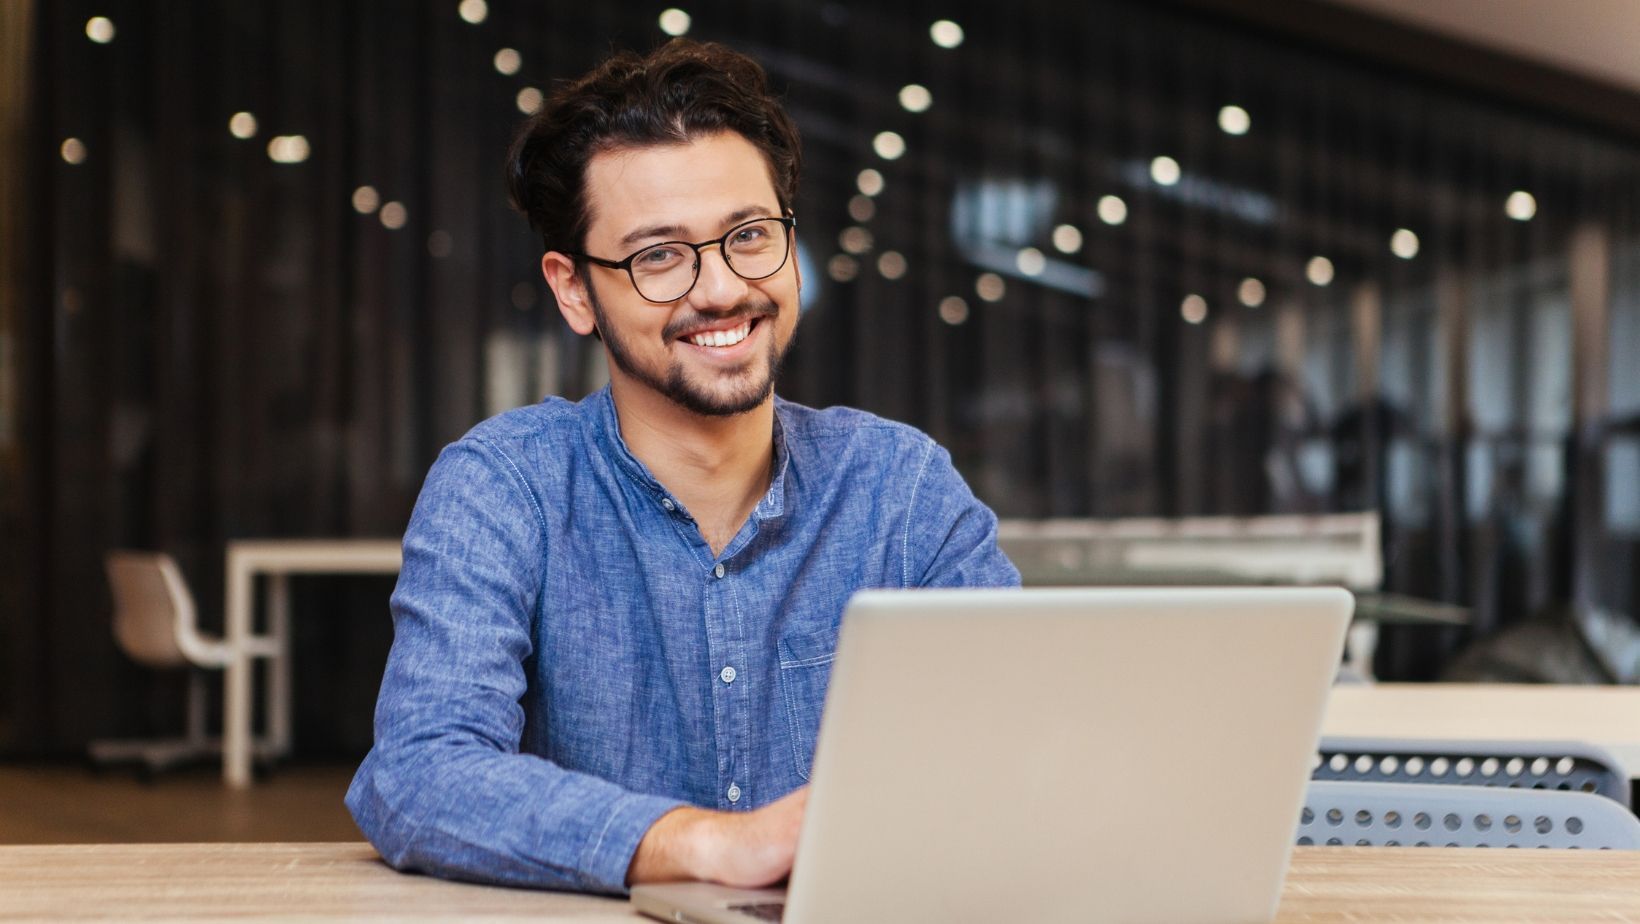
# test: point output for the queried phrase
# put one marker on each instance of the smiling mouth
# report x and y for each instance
(721, 338)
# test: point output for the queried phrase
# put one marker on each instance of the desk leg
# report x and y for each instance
(1363, 639)
(279, 680)
(236, 695)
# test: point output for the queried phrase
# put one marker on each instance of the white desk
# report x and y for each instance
(1604, 716)
(278, 559)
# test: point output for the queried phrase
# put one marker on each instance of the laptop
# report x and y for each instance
(1066, 754)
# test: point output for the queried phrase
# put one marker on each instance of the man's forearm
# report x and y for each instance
(749, 849)
(672, 849)
(482, 815)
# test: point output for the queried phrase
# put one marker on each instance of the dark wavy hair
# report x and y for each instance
(680, 91)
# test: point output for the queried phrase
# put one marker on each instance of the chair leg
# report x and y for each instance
(155, 755)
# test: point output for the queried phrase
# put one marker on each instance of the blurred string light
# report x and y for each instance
(288, 149)
(675, 22)
(528, 100)
(473, 11)
(888, 145)
(1067, 239)
(99, 29)
(915, 97)
(1234, 120)
(1030, 261)
(366, 200)
(524, 296)
(1193, 309)
(945, 33)
(891, 264)
(1250, 292)
(842, 268)
(1520, 205)
(73, 151)
(1403, 243)
(1164, 170)
(953, 310)
(990, 287)
(1112, 210)
(440, 244)
(1319, 271)
(394, 215)
(862, 208)
(869, 181)
(508, 61)
(242, 125)
(855, 240)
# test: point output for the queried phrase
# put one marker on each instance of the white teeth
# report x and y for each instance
(722, 338)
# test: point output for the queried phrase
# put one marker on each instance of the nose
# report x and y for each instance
(718, 288)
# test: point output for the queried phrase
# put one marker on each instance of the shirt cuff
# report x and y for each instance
(630, 818)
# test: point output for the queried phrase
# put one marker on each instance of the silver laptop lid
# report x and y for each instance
(1066, 754)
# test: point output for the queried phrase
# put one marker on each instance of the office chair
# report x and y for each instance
(1355, 813)
(1554, 765)
(156, 625)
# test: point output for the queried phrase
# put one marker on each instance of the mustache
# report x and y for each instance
(747, 310)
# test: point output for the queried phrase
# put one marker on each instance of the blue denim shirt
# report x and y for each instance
(570, 661)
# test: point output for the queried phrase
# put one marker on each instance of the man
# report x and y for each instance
(615, 621)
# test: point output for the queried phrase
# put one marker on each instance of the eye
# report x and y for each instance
(658, 257)
(750, 234)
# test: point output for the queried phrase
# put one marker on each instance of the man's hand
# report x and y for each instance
(746, 849)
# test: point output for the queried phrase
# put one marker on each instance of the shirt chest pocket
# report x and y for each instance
(805, 670)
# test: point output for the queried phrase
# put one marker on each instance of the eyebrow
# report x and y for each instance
(675, 232)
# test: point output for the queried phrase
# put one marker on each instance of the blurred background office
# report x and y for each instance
(1124, 259)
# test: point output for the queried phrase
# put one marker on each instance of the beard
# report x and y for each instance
(733, 392)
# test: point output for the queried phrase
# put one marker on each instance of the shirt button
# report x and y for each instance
(718, 570)
(734, 792)
(667, 503)
(727, 675)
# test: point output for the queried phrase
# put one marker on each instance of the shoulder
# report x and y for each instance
(532, 447)
(553, 418)
(514, 458)
(840, 427)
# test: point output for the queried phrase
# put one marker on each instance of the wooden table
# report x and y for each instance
(348, 881)
(1604, 716)
(278, 559)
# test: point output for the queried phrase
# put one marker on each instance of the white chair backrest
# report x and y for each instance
(152, 607)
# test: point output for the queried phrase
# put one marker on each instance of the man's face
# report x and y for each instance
(689, 192)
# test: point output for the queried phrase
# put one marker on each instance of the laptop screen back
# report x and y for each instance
(1066, 754)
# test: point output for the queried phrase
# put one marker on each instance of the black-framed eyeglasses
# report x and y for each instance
(667, 271)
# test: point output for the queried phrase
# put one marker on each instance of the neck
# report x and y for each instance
(719, 467)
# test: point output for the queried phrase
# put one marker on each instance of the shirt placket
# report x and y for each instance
(724, 643)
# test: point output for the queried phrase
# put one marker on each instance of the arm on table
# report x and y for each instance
(445, 789)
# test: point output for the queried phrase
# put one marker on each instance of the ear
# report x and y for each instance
(570, 290)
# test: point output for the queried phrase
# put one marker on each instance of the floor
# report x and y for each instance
(71, 804)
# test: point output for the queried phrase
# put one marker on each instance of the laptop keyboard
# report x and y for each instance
(763, 911)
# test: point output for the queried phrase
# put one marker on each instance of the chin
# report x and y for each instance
(723, 404)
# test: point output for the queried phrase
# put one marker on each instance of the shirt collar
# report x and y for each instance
(608, 425)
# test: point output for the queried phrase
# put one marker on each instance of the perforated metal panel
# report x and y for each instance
(1365, 814)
